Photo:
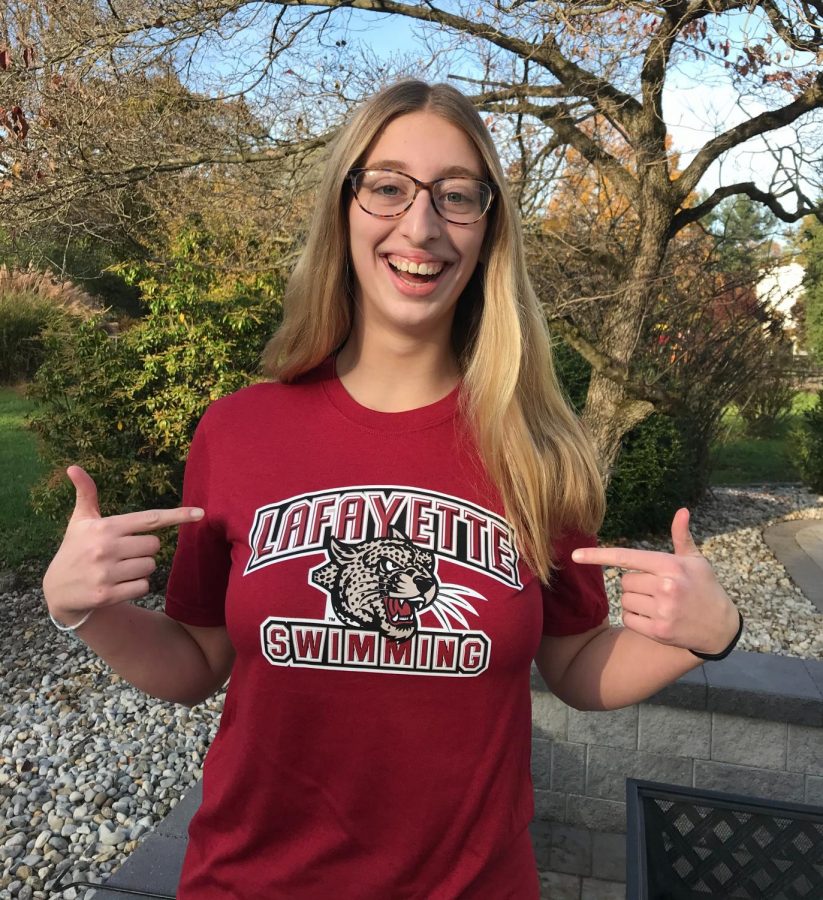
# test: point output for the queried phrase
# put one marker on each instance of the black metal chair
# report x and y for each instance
(688, 844)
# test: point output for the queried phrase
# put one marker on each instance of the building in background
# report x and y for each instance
(781, 287)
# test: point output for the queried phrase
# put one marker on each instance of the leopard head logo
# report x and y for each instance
(379, 585)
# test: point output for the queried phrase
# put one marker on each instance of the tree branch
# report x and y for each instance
(653, 71)
(789, 36)
(661, 399)
(131, 174)
(143, 170)
(811, 98)
(616, 105)
(693, 213)
(515, 91)
(560, 120)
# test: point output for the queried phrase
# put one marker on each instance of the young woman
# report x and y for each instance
(386, 546)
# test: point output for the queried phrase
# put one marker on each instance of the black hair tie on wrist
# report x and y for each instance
(728, 650)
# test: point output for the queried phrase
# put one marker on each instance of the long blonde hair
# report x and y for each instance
(530, 441)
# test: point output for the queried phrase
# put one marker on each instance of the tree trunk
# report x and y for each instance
(610, 413)
(608, 416)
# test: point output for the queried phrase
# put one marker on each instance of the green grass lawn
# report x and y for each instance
(740, 459)
(24, 537)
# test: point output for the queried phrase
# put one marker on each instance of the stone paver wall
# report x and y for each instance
(687, 735)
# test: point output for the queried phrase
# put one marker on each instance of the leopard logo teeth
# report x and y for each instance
(379, 585)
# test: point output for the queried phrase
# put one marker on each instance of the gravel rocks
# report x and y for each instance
(728, 527)
(88, 765)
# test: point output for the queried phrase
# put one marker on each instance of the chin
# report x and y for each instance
(421, 323)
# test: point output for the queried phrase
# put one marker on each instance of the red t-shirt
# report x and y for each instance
(376, 734)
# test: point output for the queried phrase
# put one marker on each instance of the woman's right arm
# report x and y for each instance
(102, 565)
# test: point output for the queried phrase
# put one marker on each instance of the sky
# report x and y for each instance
(696, 109)
(699, 100)
(698, 104)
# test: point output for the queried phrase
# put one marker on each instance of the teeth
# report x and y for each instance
(405, 265)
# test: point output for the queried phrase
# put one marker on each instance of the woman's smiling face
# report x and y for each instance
(428, 147)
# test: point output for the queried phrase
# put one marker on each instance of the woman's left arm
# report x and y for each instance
(672, 603)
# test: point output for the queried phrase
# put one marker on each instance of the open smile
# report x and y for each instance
(414, 278)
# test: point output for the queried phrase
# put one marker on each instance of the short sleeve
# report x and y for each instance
(196, 591)
(575, 599)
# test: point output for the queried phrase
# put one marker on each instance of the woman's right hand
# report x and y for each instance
(102, 562)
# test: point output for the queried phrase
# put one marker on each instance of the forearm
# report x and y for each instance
(619, 668)
(151, 651)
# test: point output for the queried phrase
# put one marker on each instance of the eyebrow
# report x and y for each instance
(447, 172)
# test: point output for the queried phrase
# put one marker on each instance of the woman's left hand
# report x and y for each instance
(672, 598)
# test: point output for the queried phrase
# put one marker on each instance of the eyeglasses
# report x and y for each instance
(387, 194)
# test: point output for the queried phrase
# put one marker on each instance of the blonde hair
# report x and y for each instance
(529, 440)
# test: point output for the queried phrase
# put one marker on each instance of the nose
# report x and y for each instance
(420, 223)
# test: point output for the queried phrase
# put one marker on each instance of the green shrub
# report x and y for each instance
(31, 301)
(125, 407)
(23, 317)
(767, 408)
(767, 404)
(573, 371)
(658, 471)
(85, 260)
(806, 445)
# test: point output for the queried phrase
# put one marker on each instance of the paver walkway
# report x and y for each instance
(159, 858)
(799, 546)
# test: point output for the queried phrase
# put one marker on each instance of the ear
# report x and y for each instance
(341, 553)
(397, 534)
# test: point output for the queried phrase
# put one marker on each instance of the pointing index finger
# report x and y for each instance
(652, 561)
(154, 519)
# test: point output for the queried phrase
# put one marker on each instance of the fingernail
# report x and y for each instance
(196, 513)
(577, 555)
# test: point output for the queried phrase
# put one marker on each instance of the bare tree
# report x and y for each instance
(556, 75)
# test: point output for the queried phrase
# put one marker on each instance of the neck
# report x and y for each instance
(396, 373)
